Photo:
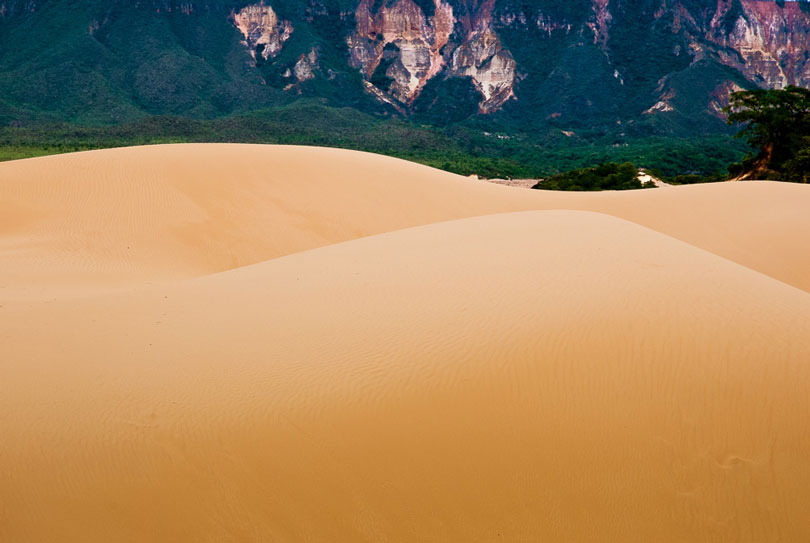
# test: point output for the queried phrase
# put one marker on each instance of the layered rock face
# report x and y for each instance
(600, 21)
(586, 62)
(402, 34)
(491, 68)
(399, 46)
(482, 57)
(414, 47)
(767, 42)
(304, 68)
(264, 33)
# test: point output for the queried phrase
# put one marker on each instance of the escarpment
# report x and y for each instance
(401, 44)
(609, 62)
(769, 43)
(264, 33)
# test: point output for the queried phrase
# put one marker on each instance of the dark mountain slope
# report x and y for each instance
(635, 67)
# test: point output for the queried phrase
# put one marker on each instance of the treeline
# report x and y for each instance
(776, 126)
(461, 149)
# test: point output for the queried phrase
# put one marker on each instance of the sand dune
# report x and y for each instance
(144, 214)
(556, 375)
(175, 211)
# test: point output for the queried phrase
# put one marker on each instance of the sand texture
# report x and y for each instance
(252, 343)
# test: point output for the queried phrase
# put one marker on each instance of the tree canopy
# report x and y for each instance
(777, 125)
(609, 176)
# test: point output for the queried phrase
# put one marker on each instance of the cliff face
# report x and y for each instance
(403, 35)
(766, 42)
(482, 57)
(602, 63)
(264, 33)
(412, 47)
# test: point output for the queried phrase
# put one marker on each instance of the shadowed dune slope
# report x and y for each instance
(145, 214)
(537, 376)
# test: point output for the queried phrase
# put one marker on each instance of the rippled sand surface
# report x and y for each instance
(254, 343)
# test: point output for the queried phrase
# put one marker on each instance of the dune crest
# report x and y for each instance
(129, 216)
(557, 375)
(123, 217)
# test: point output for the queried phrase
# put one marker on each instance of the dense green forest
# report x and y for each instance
(773, 142)
(464, 149)
(775, 123)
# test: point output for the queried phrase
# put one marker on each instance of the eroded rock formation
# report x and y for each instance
(304, 68)
(766, 41)
(602, 62)
(401, 45)
(264, 32)
(406, 41)
(491, 67)
(411, 47)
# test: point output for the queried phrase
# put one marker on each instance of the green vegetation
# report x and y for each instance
(103, 62)
(97, 74)
(609, 176)
(689, 179)
(462, 149)
(777, 126)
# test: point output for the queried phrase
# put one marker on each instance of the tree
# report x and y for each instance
(777, 123)
(798, 167)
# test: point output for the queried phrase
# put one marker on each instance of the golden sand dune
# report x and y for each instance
(143, 214)
(525, 376)
(174, 211)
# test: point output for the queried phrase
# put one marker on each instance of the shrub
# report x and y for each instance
(609, 176)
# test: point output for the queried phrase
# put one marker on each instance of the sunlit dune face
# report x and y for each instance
(249, 343)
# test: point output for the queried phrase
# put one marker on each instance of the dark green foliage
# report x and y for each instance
(428, 7)
(111, 61)
(695, 179)
(798, 167)
(459, 149)
(380, 77)
(610, 176)
(98, 62)
(777, 126)
(445, 102)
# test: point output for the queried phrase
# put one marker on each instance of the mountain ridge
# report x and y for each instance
(662, 65)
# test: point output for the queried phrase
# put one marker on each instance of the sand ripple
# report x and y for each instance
(525, 376)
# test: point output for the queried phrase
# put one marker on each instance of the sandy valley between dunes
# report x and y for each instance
(257, 343)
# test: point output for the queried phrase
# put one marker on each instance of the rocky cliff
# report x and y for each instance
(412, 47)
(766, 43)
(579, 63)
(409, 41)
(264, 33)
